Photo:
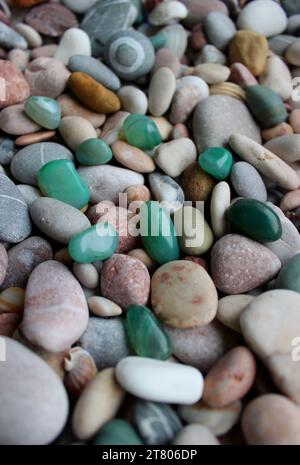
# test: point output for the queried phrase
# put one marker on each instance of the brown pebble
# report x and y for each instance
(51, 19)
(251, 49)
(282, 129)
(200, 261)
(196, 183)
(72, 107)
(62, 255)
(9, 322)
(136, 195)
(197, 39)
(34, 138)
(12, 300)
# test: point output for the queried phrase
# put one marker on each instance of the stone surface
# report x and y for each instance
(141, 131)
(277, 77)
(72, 107)
(247, 182)
(44, 111)
(117, 432)
(285, 147)
(217, 162)
(195, 435)
(175, 156)
(100, 306)
(133, 100)
(75, 130)
(11, 39)
(199, 10)
(166, 190)
(266, 105)
(132, 157)
(161, 90)
(196, 183)
(74, 41)
(219, 29)
(16, 86)
(7, 150)
(51, 19)
(220, 202)
(230, 309)
(93, 152)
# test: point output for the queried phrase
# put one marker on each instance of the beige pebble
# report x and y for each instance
(290, 201)
(32, 36)
(113, 127)
(86, 274)
(72, 107)
(212, 73)
(44, 51)
(294, 120)
(285, 147)
(137, 193)
(175, 156)
(14, 121)
(292, 54)
(161, 90)
(220, 202)
(133, 100)
(103, 307)
(167, 12)
(192, 435)
(34, 138)
(184, 101)
(76, 130)
(282, 129)
(167, 58)
(230, 308)
(277, 77)
(141, 255)
(230, 89)
(132, 157)
(164, 127)
(19, 57)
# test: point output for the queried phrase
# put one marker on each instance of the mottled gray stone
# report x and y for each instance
(247, 181)
(96, 69)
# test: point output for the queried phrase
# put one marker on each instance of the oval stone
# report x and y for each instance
(44, 111)
(141, 131)
(96, 69)
(266, 105)
(117, 432)
(93, 152)
(99, 242)
(264, 16)
(247, 181)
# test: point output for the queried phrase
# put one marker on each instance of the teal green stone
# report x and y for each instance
(145, 334)
(59, 179)
(44, 111)
(158, 41)
(139, 7)
(289, 276)
(254, 219)
(217, 162)
(266, 106)
(158, 233)
(98, 242)
(93, 152)
(140, 131)
(117, 433)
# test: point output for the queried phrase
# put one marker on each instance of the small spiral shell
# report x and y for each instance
(80, 368)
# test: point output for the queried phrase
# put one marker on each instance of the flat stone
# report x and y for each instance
(285, 147)
(132, 158)
(211, 54)
(133, 100)
(74, 41)
(75, 130)
(247, 182)
(277, 77)
(220, 202)
(72, 107)
(212, 73)
(280, 43)
(96, 69)
(230, 308)
(51, 19)
(16, 87)
(14, 121)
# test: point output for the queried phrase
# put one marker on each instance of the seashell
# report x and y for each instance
(230, 89)
(167, 13)
(80, 368)
(177, 39)
(12, 300)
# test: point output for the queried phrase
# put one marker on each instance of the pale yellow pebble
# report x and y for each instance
(176, 156)
(220, 202)
(230, 309)
(12, 300)
(86, 274)
(212, 73)
(32, 36)
(141, 255)
(132, 158)
(161, 90)
(103, 307)
(230, 89)
(75, 130)
(133, 100)
(164, 127)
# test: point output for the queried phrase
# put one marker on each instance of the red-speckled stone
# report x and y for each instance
(3, 263)
(125, 280)
(239, 264)
(51, 19)
(9, 323)
(16, 87)
(200, 261)
(230, 378)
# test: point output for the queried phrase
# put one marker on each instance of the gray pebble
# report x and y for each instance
(11, 39)
(280, 44)
(211, 54)
(7, 150)
(291, 7)
(247, 181)
(219, 29)
(293, 26)
(95, 69)
(29, 193)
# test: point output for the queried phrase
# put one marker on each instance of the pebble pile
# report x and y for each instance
(149, 222)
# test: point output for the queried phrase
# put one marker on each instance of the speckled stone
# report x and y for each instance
(16, 87)
(197, 185)
(96, 69)
(3, 263)
(247, 181)
(7, 150)
(51, 19)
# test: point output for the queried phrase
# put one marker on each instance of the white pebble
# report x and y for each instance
(74, 42)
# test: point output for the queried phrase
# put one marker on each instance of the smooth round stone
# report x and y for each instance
(51, 19)
(23, 258)
(106, 182)
(247, 182)
(176, 156)
(185, 100)
(7, 150)
(264, 16)
(230, 378)
(93, 152)
(219, 29)
(32, 37)
(59, 179)
(239, 264)
(58, 220)
(105, 340)
(217, 420)
(129, 54)
(218, 117)
(29, 193)
(156, 423)
(254, 219)
(199, 10)
(28, 161)
(3, 263)
(266, 105)
(100, 306)
(271, 419)
(117, 432)
(270, 327)
(44, 51)
(145, 335)
(96, 69)
(196, 183)
(11, 39)
(172, 291)
(28, 139)
(133, 100)
(290, 201)
(32, 397)
(289, 276)
(16, 86)
(216, 161)
(113, 126)
(71, 107)
(140, 131)
(132, 157)
(44, 111)
(166, 58)
(250, 49)
(277, 76)
(195, 435)
(285, 147)
(159, 381)
(292, 53)
(125, 280)
(291, 7)
(75, 130)
(161, 91)
(47, 76)
(56, 312)
(230, 309)
(74, 42)
(294, 120)
(211, 54)
(99, 242)
(79, 7)
(166, 191)
(166, 13)
(241, 75)
(212, 73)
(158, 233)
(15, 224)
(220, 202)
(14, 121)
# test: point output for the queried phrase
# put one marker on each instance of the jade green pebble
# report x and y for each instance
(158, 233)
(266, 105)
(44, 111)
(158, 40)
(254, 219)
(59, 179)
(140, 131)
(117, 433)
(93, 152)
(98, 242)
(289, 276)
(217, 162)
(145, 334)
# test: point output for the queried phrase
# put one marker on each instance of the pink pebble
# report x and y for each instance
(241, 75)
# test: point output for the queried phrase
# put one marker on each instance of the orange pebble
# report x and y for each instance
(29, 139)
(12, 300)
(283, 129)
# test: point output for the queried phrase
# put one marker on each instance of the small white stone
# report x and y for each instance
(33, 38)
(133, 100)
(277, 77)
(220, 202)
(74, 42)
(167, 12)
(175, 156)
(265, 17)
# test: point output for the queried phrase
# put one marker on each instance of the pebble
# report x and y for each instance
(28, 139)
(167, 191)
(75, 130)
(16, 87)
(212, 125)
(81, 7)
(211, 54)
(156, 423)
(196, 183)
(212, 73)
(219, 29)
(23, 258)
(271, 419)
(119, 432)
(165, 58)
(12, 300)
(125, 280)
(29, 193)
(32, 397)
(167, 12)
(56, 312)
(73, 42)
(9, 323)
(96, 69)
(3, 263)
(242, 76)
(51, 19)
(105, 340)
(247, 182)
(220, 202)
(7, 150)
(195, 435)
(294, 120)
(275, 312)
(239, 264)
(47, 76)
(9, 38)
(290, 201)
(285, 147)
(44, 51)
(266, 106)
(32, 37)
(86, 274)
(288, 276)
(176, 39)
(58, 220)
(71, 107)
(175, 156)
(113, 126)
(292, 53)
(250, 49)
(282, 129)
(277, 76)
(161, 91)
(19, 57)
(171, 291)
(27, 162)
(230, 309)
(13, 121)
(199, 10)
(186, 99)
(279, 44)
(264, 17)
(100, 306)
(133, 100)
(159, 381)
(132, 157)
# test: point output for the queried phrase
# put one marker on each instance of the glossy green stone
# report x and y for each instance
(93, 152)
(266, 106)
(217, 162)
(140, 131)
(117, 433)
(44, 111)
(158, 40)
(158, 233)
(145, 334)
(98, 242)
(289, 276)
(59, 179)
(254, 219)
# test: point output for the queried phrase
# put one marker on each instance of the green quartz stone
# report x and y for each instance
(145, 334)
(117, 433)
(93, 152)
(98, 242)
(217, 162)
(59, 179)
(254, 219)
(44, 111)
(289, 276)
(158, 233)
(158, 40)
(140, 131)
(266, 105)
